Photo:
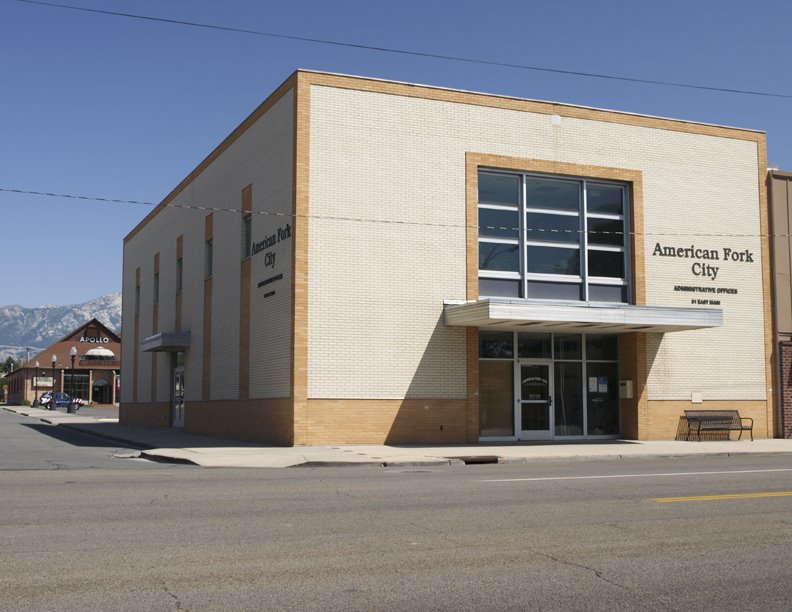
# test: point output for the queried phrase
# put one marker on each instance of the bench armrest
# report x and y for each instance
(747, 419)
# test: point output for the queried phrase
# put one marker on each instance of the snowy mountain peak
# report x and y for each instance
(37, 328)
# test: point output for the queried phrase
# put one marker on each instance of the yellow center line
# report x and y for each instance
(669, 500)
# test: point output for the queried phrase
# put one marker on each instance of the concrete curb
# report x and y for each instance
(381, 463)
(178, 447)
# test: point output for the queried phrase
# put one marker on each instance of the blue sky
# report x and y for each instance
(122, 108)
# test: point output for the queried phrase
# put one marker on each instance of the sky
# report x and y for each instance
(120, 108)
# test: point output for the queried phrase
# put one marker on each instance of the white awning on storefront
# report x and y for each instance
(166, 342)
(585, 317)
(100, 353)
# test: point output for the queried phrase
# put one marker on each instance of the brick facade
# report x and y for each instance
(335, 333)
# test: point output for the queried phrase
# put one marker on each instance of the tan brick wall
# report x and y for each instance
(662, 418)
(147, 414)
(261, 155)
(632, 366)
(376, 421)
(262, 420)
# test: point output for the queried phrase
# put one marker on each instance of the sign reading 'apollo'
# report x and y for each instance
(90, 340)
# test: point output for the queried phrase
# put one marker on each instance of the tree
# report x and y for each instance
(8, 366)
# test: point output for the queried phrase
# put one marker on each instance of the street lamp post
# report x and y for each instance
(51, 405)
(72, 405)
(35, 384)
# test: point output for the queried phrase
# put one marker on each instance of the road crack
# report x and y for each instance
(595, 571)
(173, 595)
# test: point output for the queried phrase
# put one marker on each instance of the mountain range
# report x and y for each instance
(26, 331)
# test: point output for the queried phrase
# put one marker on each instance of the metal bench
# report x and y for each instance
(717, 420)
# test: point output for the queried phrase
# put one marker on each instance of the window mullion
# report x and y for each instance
(584, 240)
(523, 237)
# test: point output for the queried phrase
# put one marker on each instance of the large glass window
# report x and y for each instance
(533, 346)
(76, 384)
(603, 398)
(546, 237)
(496, 345)
(585, 389)
(568, 400)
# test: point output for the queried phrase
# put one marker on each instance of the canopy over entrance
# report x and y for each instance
(166, 342)
(587, 317)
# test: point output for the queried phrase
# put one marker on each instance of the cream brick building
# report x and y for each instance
(364, 261)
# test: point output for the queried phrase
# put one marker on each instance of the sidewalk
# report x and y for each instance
(175, 445)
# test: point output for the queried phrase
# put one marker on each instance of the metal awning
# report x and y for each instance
(585, 317)
(166, 342)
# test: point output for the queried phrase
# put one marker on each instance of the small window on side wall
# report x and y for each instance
(247, 235)
(179, 275)
(208, 256)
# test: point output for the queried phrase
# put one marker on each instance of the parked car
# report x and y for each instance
(62, 400)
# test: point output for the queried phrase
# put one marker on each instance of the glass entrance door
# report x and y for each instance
(533, 391)
(177, 403)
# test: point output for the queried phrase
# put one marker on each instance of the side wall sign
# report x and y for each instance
(267, 246)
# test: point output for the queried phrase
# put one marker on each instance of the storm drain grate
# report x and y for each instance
(477, 459)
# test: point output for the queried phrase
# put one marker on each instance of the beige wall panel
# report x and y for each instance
(192, 226)
(128, 324)
(160, 235)
(393, 169)
(145, 327)
(714, 190)
(166, 313)
(271, 304)
(378, 276)
(224, 366)
(261, 156)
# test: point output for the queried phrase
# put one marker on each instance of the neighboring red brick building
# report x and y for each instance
(94, 376)
(779, 187)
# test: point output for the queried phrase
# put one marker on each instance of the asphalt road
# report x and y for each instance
(93, 532)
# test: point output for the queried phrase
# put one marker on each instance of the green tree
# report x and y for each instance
(9, 365)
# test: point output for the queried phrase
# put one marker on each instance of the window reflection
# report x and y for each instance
(552, 228)
(552, 194)
(499, 189)
(553, 260)
(499, 256)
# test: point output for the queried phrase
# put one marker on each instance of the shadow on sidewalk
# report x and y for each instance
(160, 437)
(80, 437)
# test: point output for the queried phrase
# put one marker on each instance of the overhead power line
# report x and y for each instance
(74, 197)
(389, 221)
(440, 56)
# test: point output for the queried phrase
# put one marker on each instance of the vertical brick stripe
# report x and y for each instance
(244, 308)
(206, 366)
